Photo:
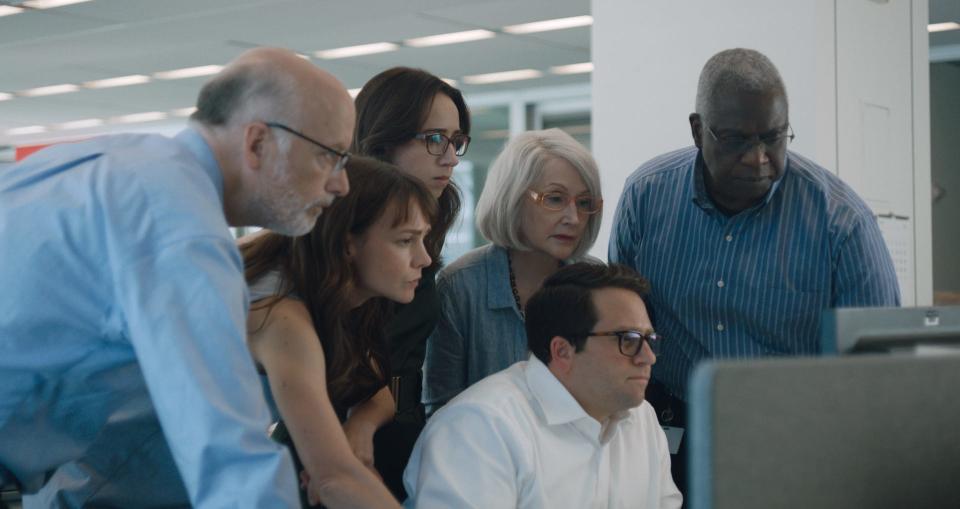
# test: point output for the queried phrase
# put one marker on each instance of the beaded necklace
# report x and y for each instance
(513, 286)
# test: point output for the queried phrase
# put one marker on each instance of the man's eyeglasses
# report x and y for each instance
(437, 143)
(342, 157)
(631, 341)
(739, 144)
(557, 201)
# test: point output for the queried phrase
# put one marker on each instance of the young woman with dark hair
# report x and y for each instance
(420, 123)
(320, 303)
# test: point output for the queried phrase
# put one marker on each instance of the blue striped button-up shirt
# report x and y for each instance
(754, 283)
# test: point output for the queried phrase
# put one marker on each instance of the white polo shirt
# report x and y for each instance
(519, 439)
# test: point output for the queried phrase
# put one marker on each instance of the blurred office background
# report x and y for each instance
(74, 69)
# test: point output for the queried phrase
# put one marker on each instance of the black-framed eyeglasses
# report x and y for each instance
(631, 341)
(342, 157)
(437, 143)
(739, 144)
(557, 201)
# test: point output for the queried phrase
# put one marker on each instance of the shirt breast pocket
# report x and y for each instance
(786, 320)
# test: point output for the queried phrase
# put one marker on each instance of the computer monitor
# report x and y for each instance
(889, 329)
(851, 431)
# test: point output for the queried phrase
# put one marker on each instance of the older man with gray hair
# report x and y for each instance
(126, 377)
(744, 242)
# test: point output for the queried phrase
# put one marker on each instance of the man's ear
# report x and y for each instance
(696, 129)
(561, 353)
(255, 144)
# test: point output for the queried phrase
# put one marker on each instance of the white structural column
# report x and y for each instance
(857, 77)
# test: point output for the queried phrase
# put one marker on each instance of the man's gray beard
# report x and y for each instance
(292, 223)
(273, 208)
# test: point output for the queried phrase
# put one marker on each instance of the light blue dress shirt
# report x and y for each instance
(126, 379)
(755, 283)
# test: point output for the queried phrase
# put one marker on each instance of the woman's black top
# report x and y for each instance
(406, 335)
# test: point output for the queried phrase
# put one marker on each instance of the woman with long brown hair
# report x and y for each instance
(320, 303)
(420, 123)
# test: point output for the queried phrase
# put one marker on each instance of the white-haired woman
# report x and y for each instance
(540, 208)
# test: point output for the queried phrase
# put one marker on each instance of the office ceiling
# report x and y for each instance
(945, 46)
(110, 38)
(101, 39)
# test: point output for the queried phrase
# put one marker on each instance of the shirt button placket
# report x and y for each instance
(727, 237)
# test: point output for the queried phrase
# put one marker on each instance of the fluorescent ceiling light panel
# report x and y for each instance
(550, 24)
(448, 81)
(188, 72)
(9, 10)
(943, 27)
(355, 51)
(49, 90)
(353, 92)
(451, 38)
(121, 81)
(5, 96)
(148, 116)
(573, 68)
(50, 4)
(81, 124)
(183, 112)
(499, 77)
(30, 129)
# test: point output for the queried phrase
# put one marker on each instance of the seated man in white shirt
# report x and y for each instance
(567, 428)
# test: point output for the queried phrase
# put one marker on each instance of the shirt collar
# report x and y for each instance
(556, 402)
(697, 183)
(198, 146)
(559, 407)
(699, 186)
(616, 421)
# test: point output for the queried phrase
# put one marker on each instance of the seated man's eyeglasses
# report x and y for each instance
(437, 143)
(631, 341)
(342, 157)
(557, 201)
(740, 144)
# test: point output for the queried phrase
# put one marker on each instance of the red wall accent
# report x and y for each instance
(27, 150)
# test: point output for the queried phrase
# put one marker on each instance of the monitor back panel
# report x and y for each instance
(851, 330)
(849, 432)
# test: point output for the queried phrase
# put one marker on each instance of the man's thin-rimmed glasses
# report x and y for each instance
(739, 144)
(342, 157)
(437, 143)
(557, 201)
(631, 341)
